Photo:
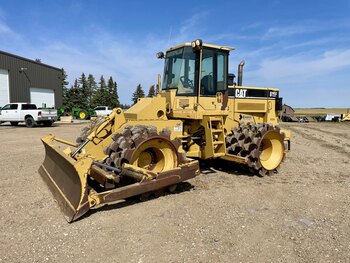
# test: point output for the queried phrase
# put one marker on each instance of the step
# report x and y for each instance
(218, 142)
(217, 130)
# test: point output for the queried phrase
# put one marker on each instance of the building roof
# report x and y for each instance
(29, 60)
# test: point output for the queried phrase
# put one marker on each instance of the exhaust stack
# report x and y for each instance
(240, 73)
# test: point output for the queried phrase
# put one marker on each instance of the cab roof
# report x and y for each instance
(188, 44)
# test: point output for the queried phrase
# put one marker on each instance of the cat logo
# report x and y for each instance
(240, 93)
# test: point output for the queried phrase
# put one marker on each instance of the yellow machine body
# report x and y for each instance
(345, 117)
(200, 113)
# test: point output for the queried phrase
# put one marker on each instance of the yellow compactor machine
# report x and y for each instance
(199, 113)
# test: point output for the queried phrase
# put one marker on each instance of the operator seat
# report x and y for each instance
(207, 87)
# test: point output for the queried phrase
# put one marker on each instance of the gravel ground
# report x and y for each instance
(223, 215)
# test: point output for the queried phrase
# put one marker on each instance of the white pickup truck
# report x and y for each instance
(102, 110)
(28, 113)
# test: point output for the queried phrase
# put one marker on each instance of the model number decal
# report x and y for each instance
(240, 93)
(245, 117)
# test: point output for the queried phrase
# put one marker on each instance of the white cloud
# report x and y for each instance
(305, 27)
(313, 43)
(2, 13)
(6, 31)
(279, 32)
(129, 61)
(306, 80)
(192, 23)
(303, 67)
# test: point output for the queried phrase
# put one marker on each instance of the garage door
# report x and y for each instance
(42, 97)
(4, 87)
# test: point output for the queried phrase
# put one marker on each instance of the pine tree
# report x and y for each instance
(139, 93)
(65, 90)
(76, 84)
(91, 87)
(116, 95)
(66, 99)
(125, 106)
(72, 97)
(113, 100)
(86, 93)
(84, 90)
(102, 83)
(64, 79)
(151, 91)
(101, 97)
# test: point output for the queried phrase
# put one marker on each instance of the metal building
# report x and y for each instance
(25, 80)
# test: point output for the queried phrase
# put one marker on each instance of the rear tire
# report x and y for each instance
(30, 123)
(14, 123)
(261, 144)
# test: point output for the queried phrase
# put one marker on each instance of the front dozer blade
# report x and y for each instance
(66, 179)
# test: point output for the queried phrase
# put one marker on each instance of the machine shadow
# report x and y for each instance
(211, 166)
(23, 125)
(180, 188)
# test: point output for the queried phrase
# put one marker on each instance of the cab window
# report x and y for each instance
(180, 71)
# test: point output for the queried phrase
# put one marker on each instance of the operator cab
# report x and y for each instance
(196, 69)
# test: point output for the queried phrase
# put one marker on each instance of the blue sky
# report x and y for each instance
(301, 47)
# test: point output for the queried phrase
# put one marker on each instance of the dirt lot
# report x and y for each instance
(299, 215)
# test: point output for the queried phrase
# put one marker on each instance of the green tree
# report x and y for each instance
(151, 91)
(91, 87)
(102, 95)
(76, 84)
(64, 79)
(83, 88)
(113, 99)
(65, 90)
(66, 99)
(139, 93)
(116, 96)
(72, 97)
(125, 106)
(86, 93)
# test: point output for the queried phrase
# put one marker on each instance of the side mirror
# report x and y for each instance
(160, 55)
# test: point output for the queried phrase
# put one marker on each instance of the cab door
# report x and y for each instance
(213, 78)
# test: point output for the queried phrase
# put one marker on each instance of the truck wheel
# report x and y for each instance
(47, 123)
(14, 123)
(30, 122)
(83, 115)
